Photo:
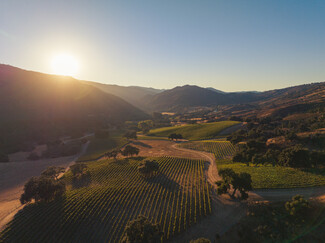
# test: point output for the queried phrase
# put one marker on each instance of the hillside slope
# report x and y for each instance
(35, 102)
(281, 102)
(189, 96)
(135, 95)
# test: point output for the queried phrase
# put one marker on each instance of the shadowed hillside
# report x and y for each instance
(36, 104)
(133, 94)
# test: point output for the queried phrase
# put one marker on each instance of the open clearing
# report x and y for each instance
(195, 131)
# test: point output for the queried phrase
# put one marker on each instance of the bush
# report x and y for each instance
(141, 230)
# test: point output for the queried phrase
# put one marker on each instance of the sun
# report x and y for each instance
(65, 64)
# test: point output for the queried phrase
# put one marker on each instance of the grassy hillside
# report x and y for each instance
(176, 198)
(195, 131)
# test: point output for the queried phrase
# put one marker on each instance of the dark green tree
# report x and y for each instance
(42, 189)
(130, 151)
(53, 172)
(148, 168)
(78, 169)
(141, 230)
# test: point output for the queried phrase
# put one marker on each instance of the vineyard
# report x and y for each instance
(263, 176)
(221, 149)
(176, 199)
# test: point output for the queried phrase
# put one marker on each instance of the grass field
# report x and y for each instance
(263, 176)
(195, 131)
(176, 199)
(98, 147)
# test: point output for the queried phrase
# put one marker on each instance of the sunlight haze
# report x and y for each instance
(228, 45)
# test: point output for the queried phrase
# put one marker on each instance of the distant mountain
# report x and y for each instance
(281, 102)
(216, 90)
(132, 94)
(35, 102)
(190, 95)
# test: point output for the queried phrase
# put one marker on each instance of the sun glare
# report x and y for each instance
(65, 64)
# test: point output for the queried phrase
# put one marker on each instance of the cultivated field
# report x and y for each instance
(178, 197)
(263, 176)
(195, 131)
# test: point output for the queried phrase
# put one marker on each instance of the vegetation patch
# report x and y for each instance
(174, 199)
(194, 131)
(263, 175)
(268, 176)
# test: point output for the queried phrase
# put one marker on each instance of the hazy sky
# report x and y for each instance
(228, 45)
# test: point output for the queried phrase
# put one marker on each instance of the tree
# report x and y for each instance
(130, 135)
(141, 230)
(239, 181)
(112, 154)
(130, 151)
(42, 189)
(145, 126)
(78, 169)
(175, 136)
(148, 168)
(243, 183)
(295, 157)
(53, 172)
(297, 207)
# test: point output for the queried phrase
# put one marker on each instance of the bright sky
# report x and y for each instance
(225, 44)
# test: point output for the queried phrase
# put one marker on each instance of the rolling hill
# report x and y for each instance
(281, 102)
(135, 95)
(186, 96)
(178, 99)
(33, 103)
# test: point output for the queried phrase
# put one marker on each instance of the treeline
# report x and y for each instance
(275, 141)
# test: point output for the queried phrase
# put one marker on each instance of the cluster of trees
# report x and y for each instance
(145, 126)
(175, 136)
(148, 168)
(141, 230)
(130, 135)
(44, 188)
(128, 150)
(239, 181)
(252, 146)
